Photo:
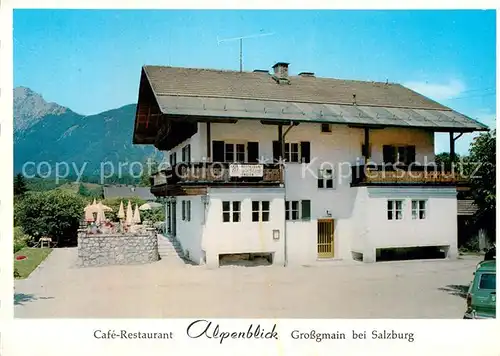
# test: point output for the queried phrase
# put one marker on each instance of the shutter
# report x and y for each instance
(188, 210)
(253, 151)
(410, 155)
(306, 210)
(188, 153)
(389, 154)
(276, 151)
(305, 151)
(218, 151)
(173, 159)
(183, 210)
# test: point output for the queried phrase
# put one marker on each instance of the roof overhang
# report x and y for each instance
(223, 108)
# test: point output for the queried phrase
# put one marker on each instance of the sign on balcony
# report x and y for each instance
(246, 170)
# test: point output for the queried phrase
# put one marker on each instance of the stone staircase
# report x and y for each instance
(170, 250)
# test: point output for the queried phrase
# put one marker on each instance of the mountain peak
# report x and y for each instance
(30, 107)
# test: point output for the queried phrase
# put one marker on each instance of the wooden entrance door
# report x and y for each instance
(325, 238)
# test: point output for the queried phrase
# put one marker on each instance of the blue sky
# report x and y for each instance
(90, 60)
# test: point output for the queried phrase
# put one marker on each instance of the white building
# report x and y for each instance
(272, 164)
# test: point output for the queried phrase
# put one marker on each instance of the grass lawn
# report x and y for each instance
(34, 256)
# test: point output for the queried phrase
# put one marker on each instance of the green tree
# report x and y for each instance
(20, 186)
(83, 191)
(56, 214)
(444, 158)
(481, 168)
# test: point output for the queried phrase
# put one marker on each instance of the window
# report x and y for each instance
(325, 178)
(394, 209)
(298, 210)
(398, 154)
(234, 152)
(173, 159)
(186, 153)
(418, 209)
(260, 210)
(186, 210)
(326, 128)
(488, 281)
(295, 152)
(292, 152)
(231, 211)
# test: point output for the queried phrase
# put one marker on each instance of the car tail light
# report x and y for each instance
(469, 300)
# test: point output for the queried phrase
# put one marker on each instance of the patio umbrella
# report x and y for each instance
(92, 208)
(100, 218)
(129, 217)
(150, 206)
(89, 215)
(104, 207)
(121, 211)
(137, 215)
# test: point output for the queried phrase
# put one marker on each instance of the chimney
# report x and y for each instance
(281, 70)
(306, 74)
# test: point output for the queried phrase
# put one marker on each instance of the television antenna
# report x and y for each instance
(240, 39)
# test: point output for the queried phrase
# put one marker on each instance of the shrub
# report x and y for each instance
(56, 214)
(154, 215)
(16, 273)
(20, 239)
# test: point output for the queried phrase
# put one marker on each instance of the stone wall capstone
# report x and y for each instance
(119, 249)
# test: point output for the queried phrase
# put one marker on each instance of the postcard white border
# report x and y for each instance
(75, 337)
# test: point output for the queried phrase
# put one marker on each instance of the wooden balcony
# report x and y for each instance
(196, 174)
(405, 175)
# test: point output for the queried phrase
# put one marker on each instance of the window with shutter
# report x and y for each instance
(399, 154)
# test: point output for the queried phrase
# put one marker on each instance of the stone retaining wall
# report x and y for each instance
(120, 249)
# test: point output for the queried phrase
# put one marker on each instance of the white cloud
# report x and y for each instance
(438, 91)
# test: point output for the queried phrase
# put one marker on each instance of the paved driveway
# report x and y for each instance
(413, 289)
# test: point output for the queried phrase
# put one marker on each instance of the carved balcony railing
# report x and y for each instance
(405, 175)
(219, 173)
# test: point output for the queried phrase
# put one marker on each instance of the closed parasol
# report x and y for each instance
(137, 216)
(121, 211)
(129, 216)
